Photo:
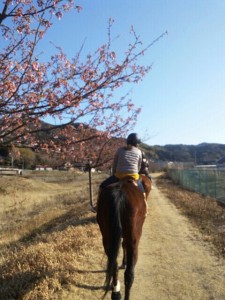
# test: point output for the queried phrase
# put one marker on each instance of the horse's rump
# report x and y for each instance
(123, 199)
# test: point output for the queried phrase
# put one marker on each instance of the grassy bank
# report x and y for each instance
(206, 213)
(47, 231)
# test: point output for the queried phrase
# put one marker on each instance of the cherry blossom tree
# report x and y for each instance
(77, 92)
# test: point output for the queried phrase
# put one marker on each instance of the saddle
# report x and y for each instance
(118, 184)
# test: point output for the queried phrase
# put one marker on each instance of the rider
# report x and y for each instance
(145, 166)
(127, 163)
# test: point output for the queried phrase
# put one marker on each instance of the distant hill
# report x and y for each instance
(205, 153)
(44, 135)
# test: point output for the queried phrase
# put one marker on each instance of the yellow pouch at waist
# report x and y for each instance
(120, 175)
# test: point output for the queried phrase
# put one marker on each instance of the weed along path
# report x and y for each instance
(173, 263)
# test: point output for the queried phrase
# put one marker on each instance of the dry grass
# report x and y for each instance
(47, 232)
(205, 212)
(49, 239)
(42, 266)
(26, 204)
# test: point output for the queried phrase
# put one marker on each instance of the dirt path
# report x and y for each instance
(173, 264)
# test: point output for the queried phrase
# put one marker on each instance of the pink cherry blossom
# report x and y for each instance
(77, 92)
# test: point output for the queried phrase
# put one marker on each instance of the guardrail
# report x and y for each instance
(10, 171)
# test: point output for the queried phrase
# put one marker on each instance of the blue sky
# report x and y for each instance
(183, 96)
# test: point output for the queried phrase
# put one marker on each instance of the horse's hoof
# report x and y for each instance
(116, 296)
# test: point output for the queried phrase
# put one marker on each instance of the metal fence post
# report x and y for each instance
(90, 186)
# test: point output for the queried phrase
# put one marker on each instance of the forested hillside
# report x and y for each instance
(204, 153)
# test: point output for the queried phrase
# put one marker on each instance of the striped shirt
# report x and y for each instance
(127, 162)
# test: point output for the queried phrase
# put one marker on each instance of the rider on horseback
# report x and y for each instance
(145, 166)
(121, 211)
(127, 163)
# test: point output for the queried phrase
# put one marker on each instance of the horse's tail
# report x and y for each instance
(116, 206)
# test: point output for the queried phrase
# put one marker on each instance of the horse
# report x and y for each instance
(121, 211)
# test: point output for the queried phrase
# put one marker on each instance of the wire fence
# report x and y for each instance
(210, 182)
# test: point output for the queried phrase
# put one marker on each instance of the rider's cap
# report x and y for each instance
(133, 139)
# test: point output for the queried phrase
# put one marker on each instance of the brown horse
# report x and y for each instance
(121, 212)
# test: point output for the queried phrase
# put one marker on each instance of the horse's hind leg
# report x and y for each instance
(124, 261)
(129, 273)
(116, 295)
(129, 279)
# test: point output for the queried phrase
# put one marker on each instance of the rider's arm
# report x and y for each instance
(139, 163)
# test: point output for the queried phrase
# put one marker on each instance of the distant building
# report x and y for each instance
(221, 162)
(43, 168)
